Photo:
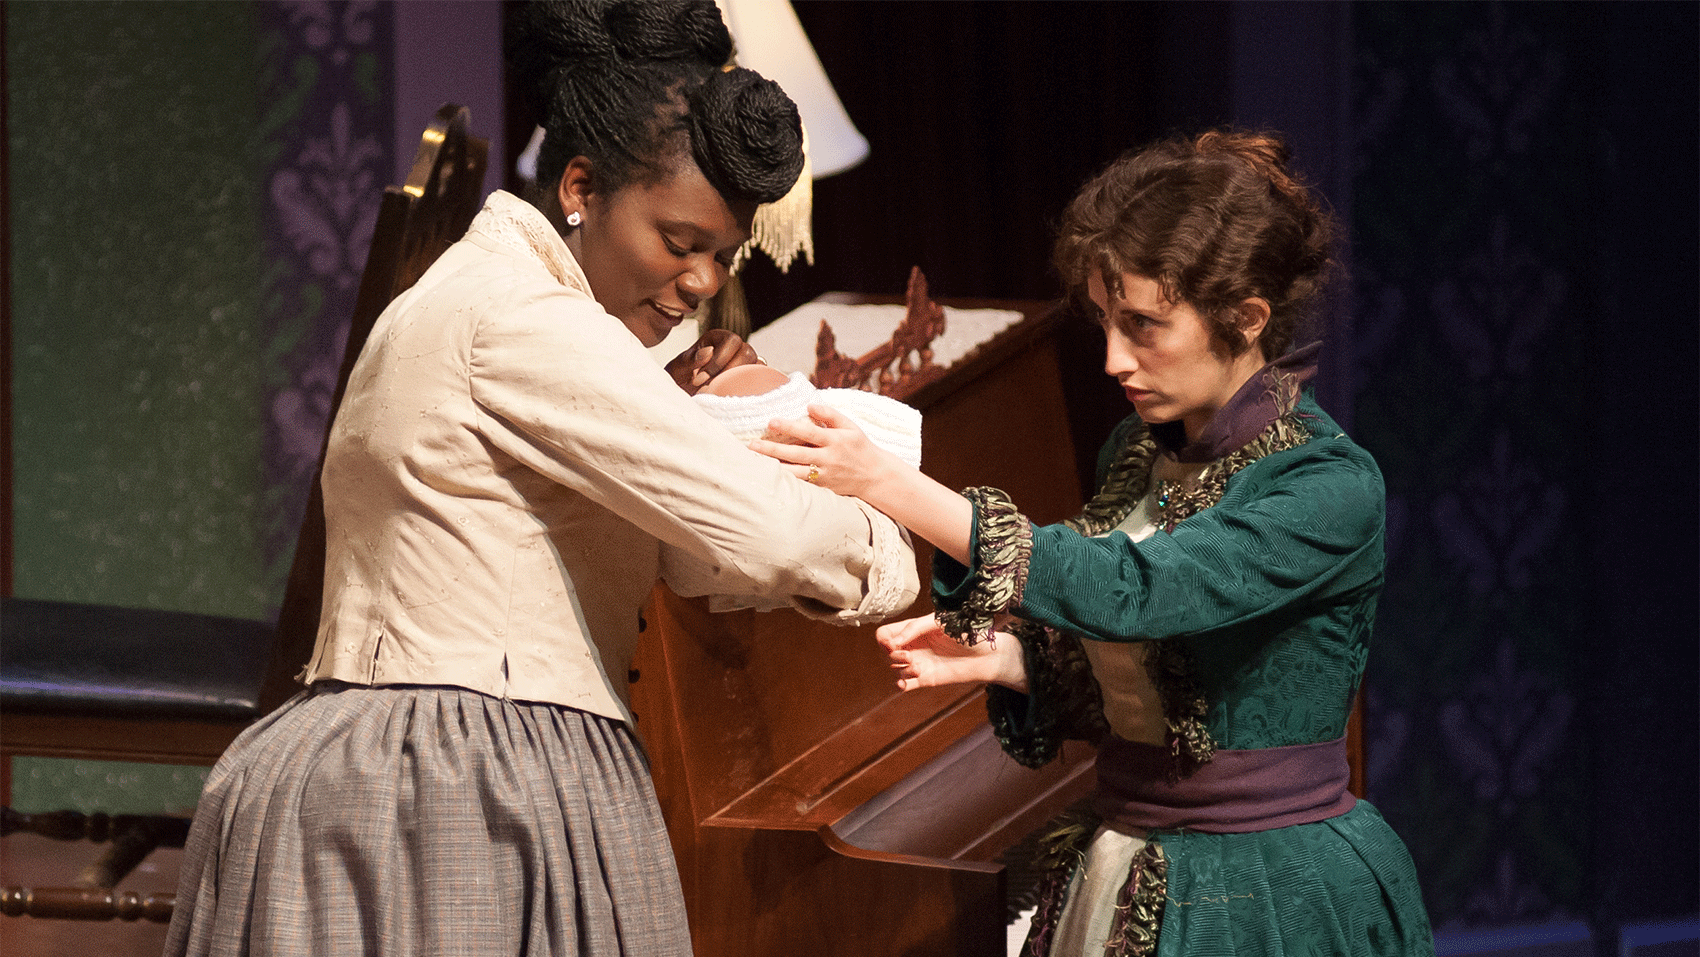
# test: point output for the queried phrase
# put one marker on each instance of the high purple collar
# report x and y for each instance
(1265, 397)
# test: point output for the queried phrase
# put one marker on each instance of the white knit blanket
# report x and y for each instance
(890, 424)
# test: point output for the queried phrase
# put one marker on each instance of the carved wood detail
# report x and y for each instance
(898, 366)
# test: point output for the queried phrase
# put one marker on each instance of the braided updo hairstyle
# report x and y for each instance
(636, 86)
(1214, 219)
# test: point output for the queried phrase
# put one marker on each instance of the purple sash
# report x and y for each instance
(1236, 793)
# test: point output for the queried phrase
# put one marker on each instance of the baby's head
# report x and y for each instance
(746, 398)
(752, 378)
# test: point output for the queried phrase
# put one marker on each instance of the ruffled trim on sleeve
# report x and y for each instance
(1063, 701)
(969, 601)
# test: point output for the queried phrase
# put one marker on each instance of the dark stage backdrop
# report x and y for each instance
(1520, 185)
(1526, 341)
(982, 120)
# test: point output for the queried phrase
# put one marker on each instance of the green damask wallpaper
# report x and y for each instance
(136, 278)
(136, 282)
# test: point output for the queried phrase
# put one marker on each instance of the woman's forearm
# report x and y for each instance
(925, 507)
(830, 450)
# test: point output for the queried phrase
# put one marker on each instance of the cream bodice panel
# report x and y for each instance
(1131, 704)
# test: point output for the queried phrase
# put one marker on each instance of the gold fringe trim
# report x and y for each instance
(728, 310)
(1178, 501)
(1139, 903)
(784, 227)
(1127, 482)
(1139, 906)
(1005, 543)
(1061, 851)
(1184, 708)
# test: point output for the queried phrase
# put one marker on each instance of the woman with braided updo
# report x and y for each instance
(508, 477)
(1205, 621)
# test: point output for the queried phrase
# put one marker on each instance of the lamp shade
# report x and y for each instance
(771, 42)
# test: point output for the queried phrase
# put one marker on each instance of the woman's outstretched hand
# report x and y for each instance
(924, 657)
(714, 352)
(829, 450)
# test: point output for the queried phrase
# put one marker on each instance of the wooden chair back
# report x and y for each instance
(416, 223)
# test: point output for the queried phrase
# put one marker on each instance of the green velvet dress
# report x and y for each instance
(1257, 604)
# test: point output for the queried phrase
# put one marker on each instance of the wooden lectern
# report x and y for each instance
(814, 808)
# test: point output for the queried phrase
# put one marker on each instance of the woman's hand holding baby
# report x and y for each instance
(833, 452)
(828, 449)
(715, 351)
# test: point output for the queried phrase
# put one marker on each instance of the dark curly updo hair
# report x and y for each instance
(1215, 220)
(636, 86)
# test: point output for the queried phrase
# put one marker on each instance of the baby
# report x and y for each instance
(745, 398)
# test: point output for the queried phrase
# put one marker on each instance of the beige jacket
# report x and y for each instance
(511, 472)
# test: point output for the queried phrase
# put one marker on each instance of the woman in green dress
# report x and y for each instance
(1205, 621)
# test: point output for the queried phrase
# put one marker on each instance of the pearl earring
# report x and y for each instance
(573, 218)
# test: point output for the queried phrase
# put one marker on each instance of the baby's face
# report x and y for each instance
(751, 379)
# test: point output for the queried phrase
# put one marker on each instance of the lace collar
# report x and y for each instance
(517, 224)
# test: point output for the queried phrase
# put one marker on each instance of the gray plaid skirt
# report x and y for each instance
(402, 822)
